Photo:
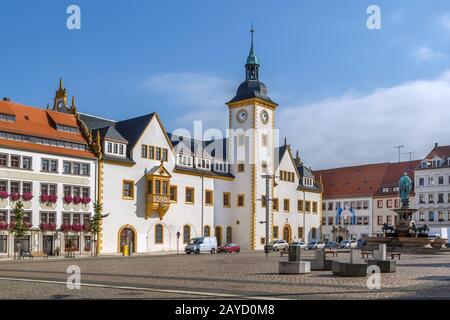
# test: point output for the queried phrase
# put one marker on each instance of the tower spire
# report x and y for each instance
(252, 64)
(60, 100)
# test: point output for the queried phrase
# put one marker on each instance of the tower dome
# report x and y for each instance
(252, 87)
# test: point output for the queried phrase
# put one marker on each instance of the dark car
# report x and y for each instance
(229, 248)
(331, 245)
(361, 243)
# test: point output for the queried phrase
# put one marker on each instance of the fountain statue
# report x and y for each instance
(405, 226)
(405, 234)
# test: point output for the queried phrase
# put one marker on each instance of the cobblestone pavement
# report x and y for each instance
(243, 275)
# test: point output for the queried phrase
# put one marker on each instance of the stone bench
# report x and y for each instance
(38, 254)
(366, 254)
(346, 269)
(395, 254)
(386, 266)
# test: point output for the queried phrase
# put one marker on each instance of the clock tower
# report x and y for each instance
(251, 151)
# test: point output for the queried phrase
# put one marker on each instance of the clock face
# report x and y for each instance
(242, 115)
(264, 116)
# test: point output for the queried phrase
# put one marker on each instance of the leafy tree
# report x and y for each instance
(96, 222)
(20, 227)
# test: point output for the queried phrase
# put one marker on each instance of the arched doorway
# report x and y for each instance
(218, 234)
(287, 233)
(127, 236)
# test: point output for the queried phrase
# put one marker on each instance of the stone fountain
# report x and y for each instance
(405, 233)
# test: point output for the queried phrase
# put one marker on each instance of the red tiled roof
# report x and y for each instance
(442, 152)
(37, 122)
(354, 181)
(63, 119)
(396, 170)
(393, 174)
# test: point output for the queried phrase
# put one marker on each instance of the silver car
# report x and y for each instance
(277, 245)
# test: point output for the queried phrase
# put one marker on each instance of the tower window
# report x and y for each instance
(264, 139)
(240, 200)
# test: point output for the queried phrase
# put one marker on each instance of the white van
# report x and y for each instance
(201, 244)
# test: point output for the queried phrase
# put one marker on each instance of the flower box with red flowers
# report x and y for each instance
(47, 226)
(3, 226)
(77, 227)
(52, 198)
(76, 199)
(27, 196)
(68, 199)
(14, 196)
(44, 198)
(4, 194)
(66, 227)
(85, 200)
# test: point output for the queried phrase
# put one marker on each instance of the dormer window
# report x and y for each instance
(115, 148)
(202, 163)
(220, 166)
(184, 160)
(308, 182)
(7, 117)
(63, 128)
(436, 163)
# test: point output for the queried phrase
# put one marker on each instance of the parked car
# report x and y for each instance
(361, 243)
(434, 236)
(348, 244)
(300, 244)
(229, 248)
(315, 244)
(447, 244)
(331, 245)
(277, 245)
(201, 244)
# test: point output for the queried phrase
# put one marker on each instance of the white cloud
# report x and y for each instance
(193, 96)
(353, 130)
(444, 21)
(425, 53)
(338, 131)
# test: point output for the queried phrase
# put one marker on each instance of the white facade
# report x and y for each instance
(432, 187)
(33, 179)
(363, 207)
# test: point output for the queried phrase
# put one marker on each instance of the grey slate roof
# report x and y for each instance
(252, 89)
(110, 133)
(132, 129)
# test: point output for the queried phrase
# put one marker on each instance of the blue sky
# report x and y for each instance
(184, 59)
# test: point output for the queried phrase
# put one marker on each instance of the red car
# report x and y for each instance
(229, 248)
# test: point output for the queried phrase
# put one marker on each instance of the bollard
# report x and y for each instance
(294, 253)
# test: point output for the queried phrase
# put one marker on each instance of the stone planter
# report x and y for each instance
(76, 207)
(48, 205)
(67, 206)
(85, 206)
(27, 204)
(12, 204)
(3, 203)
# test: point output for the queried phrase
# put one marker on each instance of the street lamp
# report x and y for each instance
(267, 199)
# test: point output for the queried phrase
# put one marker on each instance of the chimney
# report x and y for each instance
(6, 99)
(436, 145)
